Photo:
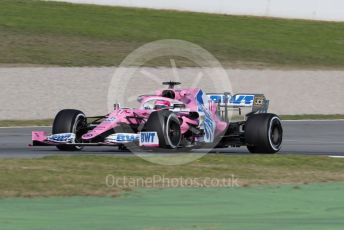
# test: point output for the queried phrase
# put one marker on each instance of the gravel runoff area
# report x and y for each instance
(39, 92)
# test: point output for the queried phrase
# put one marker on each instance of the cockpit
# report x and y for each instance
(157, 103)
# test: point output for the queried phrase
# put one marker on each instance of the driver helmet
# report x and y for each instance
(162, 104)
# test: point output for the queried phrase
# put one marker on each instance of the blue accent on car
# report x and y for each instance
(209, 124)
(219, 98)
(63, 137)
(147, 137)
(247, 99)
(126, 137)
(122, 137)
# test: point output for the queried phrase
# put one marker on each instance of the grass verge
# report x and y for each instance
(51, 33)
(86, 175)
(23, 123)
(313, 117)
(306, 207)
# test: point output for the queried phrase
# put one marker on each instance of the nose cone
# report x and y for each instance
(88, 135)
(106, 125)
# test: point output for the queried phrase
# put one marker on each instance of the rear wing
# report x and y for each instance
(247, 103)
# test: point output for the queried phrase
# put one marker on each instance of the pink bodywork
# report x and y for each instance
(39, 136)
(183, 96)
(119, 115)
(114, 118)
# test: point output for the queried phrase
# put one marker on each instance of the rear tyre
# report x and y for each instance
(70, 121)
(263, 133)
(167, 126)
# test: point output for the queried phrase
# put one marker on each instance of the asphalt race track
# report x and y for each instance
(300, 137)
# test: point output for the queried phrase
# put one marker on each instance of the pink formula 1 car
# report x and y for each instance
(172, 119)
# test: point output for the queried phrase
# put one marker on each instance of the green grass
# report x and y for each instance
(85, 175)
(313, 117)
(303, 207)
(12, 123)
(50, 33)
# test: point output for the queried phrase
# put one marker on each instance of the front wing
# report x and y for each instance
(146, 139)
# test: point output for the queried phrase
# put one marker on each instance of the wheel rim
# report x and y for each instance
(79, 128)
(275, 133)
(173, 132)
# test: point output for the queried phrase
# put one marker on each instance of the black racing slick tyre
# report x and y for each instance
(70, 121)
(167, 126)
(263, 133)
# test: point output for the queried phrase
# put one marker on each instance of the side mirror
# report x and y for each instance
(116, 106)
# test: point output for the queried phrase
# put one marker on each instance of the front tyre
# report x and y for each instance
(167, 126)
(70, 121)
(263, 133)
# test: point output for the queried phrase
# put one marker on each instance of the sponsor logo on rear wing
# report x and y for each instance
(258, 102)
(235, 100)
